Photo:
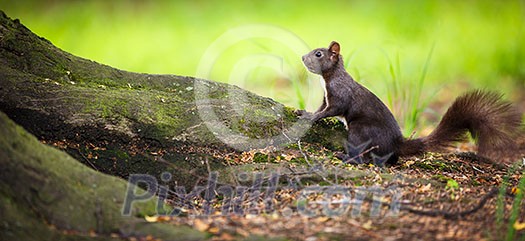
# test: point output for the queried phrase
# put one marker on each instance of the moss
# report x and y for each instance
(218, 94)
(475, 182)
(167, 116)
(61, 190)
(424, 165)
(289, 115)
(105, 82)
(260, 157)
(149, 107)
(436, 164)
(428, 164)
(259, 114)
(441, 178)
(104, 103)
(18, 220)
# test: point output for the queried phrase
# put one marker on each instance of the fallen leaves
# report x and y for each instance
(159, 218)
(432, 182)
(447, 185)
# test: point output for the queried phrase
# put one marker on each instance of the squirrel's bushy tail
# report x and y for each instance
(491, 121)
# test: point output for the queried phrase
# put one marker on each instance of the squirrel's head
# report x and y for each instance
(322, 60)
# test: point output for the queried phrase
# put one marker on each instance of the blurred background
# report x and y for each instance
(417, 56)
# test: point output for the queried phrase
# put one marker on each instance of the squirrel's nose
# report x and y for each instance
(304, 57)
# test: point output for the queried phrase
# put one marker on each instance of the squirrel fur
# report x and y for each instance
(491, 121)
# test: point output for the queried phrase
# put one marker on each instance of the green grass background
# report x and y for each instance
(410, 53)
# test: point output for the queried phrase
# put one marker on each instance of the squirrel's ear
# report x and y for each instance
(334, 47)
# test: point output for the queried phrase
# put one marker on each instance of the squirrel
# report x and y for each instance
(372, 128)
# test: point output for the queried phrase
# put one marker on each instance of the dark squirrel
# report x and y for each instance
(492, 121)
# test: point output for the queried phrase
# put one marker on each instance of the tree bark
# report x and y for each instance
(121, 122)
(45, 194)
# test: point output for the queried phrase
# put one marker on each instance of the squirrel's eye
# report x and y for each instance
(318, 54)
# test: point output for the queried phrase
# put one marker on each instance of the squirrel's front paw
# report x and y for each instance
(303, 114)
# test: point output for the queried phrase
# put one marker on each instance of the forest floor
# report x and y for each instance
(302, 192)
(440, 197)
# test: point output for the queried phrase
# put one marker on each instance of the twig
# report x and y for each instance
(309, 164)
(365, 152)
(454, 215)
(412, 135)
(87, 160)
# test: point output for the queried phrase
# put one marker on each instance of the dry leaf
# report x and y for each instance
(200, 225)
(519, 226)
(151, 219)
(242, 232)
(214, 230)
(409, 163)
(425, 188)
(226, 236)
(367, 225)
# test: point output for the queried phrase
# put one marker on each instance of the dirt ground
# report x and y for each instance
(455, 196)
